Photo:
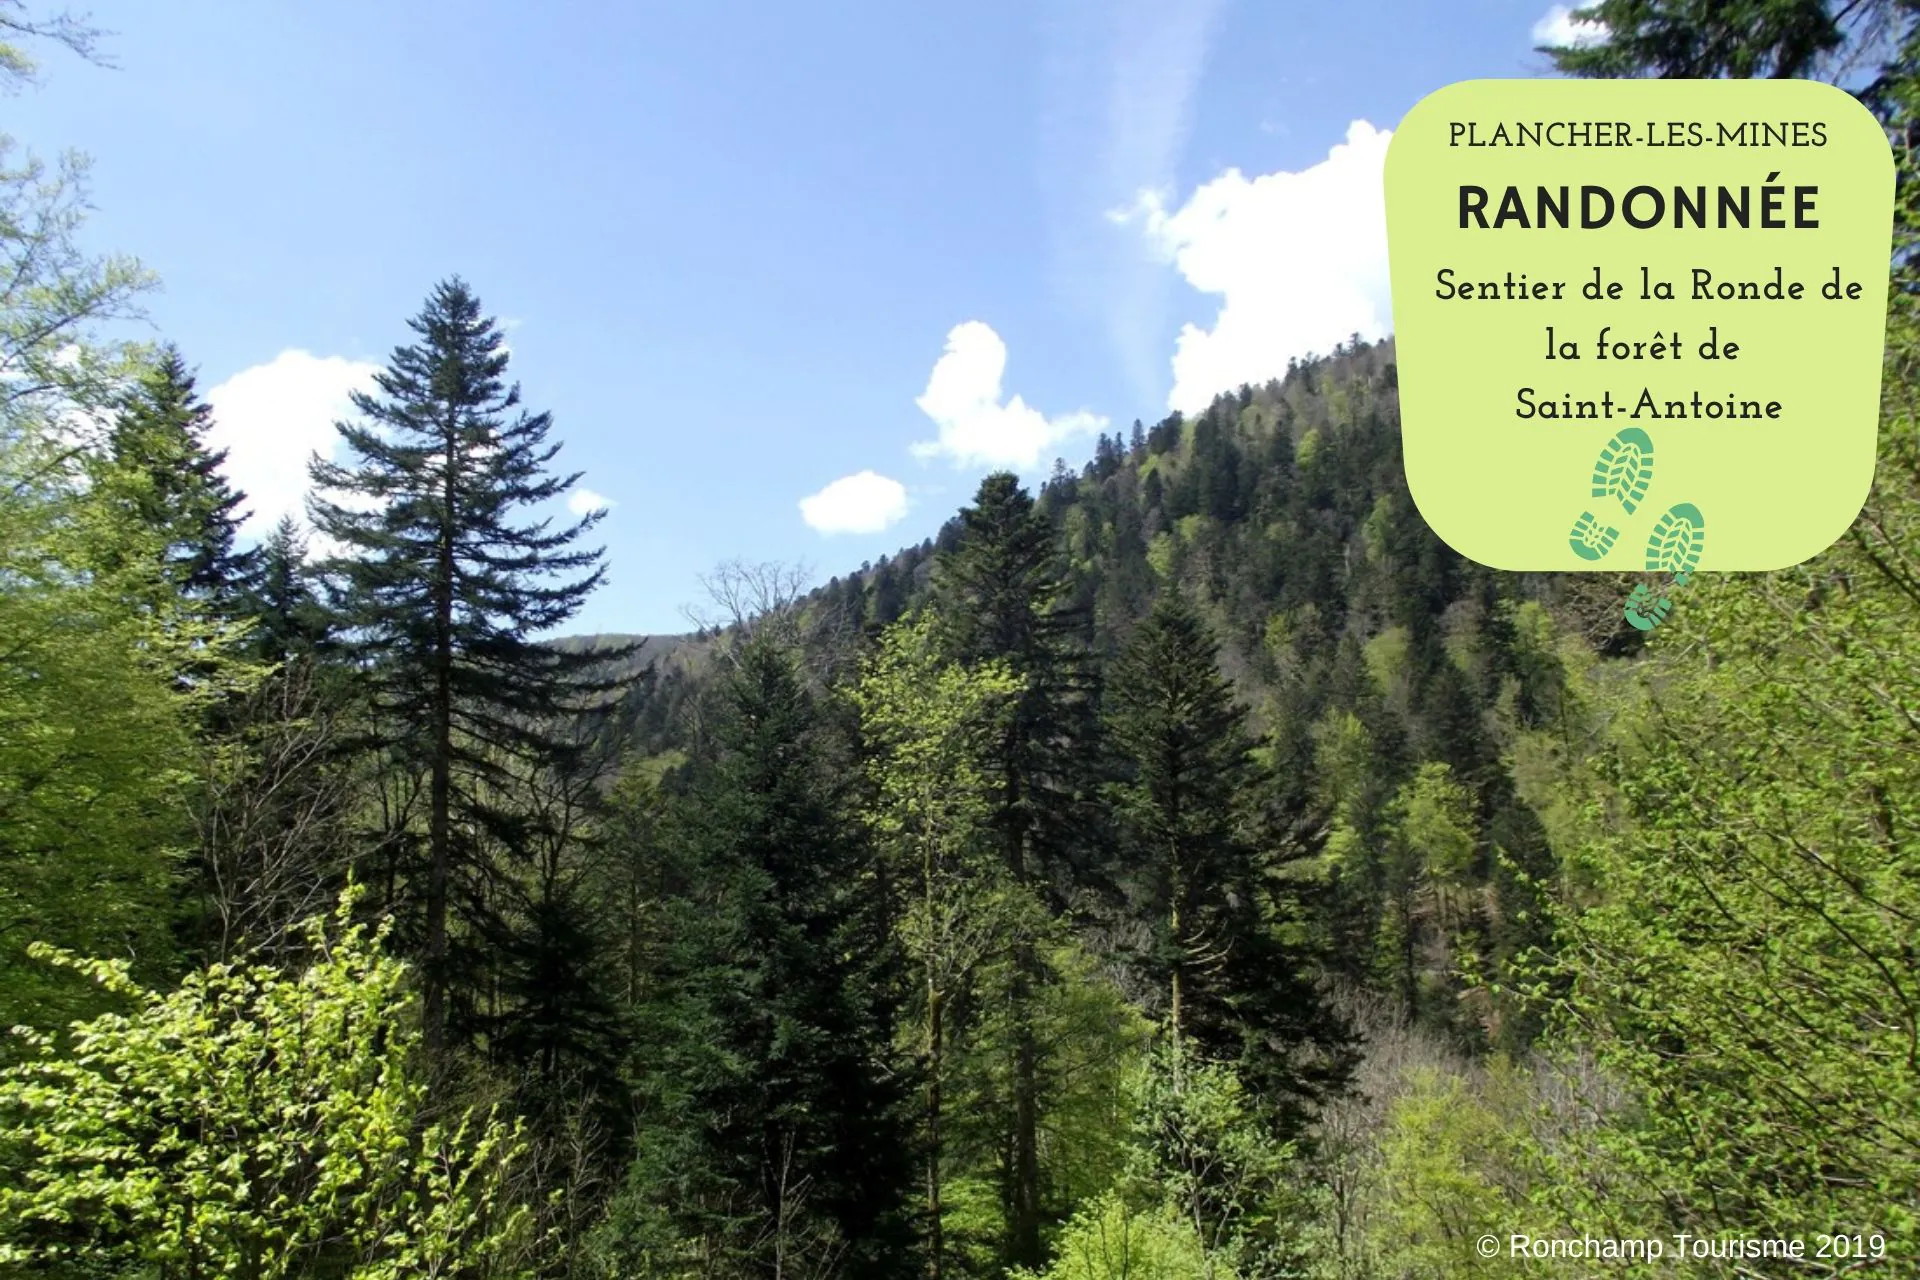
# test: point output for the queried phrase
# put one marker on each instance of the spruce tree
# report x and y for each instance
(1196, 872)
(1001, 594)
(289, 618)
(446, 581)
(790, 1134)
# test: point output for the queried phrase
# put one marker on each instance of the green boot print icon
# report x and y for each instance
(1675, 546)
(1622, 472)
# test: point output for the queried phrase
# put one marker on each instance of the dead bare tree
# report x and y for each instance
(273, 844)
(746, 600)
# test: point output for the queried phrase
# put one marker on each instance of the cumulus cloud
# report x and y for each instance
(865, 502)
(1558, 28)
(1299, 261)
(584, 501)
(976, 429)
(271, 417)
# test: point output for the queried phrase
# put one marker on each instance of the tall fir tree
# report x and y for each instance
(445, 584)
(1001, 593)
(1196, 872)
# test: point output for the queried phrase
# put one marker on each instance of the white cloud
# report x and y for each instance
(865, 502)
(1558, 28)
(584, 501)
(976, 429)
(271, 417)
(1299, 261)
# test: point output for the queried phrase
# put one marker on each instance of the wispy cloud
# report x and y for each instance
(976, 426)
(1120, 78)
(865, 502)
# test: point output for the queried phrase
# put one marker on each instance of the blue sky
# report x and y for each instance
(791, 278)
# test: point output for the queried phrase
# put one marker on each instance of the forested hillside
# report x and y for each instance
(1188, 868)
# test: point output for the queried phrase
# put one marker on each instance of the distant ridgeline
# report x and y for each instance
(1282, 509)
(1364, 646)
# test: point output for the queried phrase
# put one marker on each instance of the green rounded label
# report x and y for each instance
(1640, 323)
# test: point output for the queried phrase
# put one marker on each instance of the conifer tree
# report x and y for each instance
(789, 1136)
(288, 616)
(446, 582)
(160, 469)
(1196, 872)
(927, 725)
(1000, 592)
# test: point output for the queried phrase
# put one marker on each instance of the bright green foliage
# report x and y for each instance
(1435, 840)
(930, 727)
(251, 1123)
(1751, 966)
(1109, 1240)
(1435, 817)
(1737, 939)
(96, 749)
(96, 745)
(930, 724)
(1204, 1148)
(158, 468)
(1447, 1179)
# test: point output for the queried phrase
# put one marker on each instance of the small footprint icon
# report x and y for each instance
(1622, 472)
(1678, 540)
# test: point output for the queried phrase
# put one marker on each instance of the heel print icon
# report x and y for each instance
(1622, 472)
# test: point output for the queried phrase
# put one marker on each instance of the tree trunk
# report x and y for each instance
(439, 831)
(937, 1241)
(1025, 1242)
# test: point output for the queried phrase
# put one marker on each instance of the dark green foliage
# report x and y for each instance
(777, 1125)
(1198, 871)
(1706, 39)
(442, 591)
(1002, 594)
(283, 599)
